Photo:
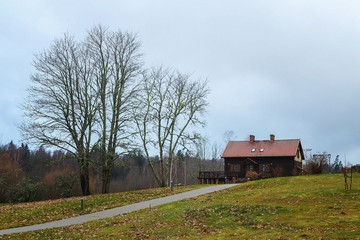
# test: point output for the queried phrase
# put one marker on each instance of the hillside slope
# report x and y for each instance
(305, 207)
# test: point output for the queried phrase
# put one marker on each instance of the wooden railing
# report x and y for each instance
(212, 174)
(232, 174)
(218, 174)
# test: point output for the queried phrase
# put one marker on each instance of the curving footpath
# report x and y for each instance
(117, 211)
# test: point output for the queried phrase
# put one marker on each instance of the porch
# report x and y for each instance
(218, 177)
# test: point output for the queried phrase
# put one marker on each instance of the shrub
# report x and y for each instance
(60, 181)
(296, 172)
(64, 185)
(28, 190)
(315, 166)
(252, 175)
(264, 175)
(317, 163)
(278, 171)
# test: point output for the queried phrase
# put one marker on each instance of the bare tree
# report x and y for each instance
(117, 63)
(228, 135)
(215, 151)
(169, 104)
(62, 103)
(82, 98)
(202, 153)
(318, 163)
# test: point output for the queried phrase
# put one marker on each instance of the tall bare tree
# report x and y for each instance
(117, 63)
(82, 97)
(62, 103)
(169, 104)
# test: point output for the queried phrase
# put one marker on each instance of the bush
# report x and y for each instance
(264, 175)
(252, 175)
(28, 190)
(60, 181)
(317, 163)
(278, 171)
(64, 185)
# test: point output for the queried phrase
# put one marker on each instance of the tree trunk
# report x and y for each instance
(106, 181)
(84, 177)
(84, 181)
(164, 180)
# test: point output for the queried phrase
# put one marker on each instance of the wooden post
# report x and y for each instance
(217, 181)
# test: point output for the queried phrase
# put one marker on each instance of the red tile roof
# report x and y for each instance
(271, 149)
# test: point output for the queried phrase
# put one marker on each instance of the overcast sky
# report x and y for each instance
(291, 68)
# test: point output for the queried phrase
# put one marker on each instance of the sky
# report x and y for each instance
(289, 68)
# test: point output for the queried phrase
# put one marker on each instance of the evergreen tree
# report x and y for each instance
(336, 165)
(25, 158)
(340, 166)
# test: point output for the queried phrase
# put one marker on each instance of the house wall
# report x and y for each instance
(298, 156)
(276, 166)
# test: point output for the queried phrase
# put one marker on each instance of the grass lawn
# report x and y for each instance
(305, 207)
(23, 214)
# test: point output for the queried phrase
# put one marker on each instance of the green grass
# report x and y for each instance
(305, 207)
(16, 215)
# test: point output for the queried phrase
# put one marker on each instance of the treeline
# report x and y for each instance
(32, 175)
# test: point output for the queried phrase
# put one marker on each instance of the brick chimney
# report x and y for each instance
(272, 137)
(252, 138)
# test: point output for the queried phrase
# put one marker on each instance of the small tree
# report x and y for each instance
(228, 135)
(317, 163)
(337, 165)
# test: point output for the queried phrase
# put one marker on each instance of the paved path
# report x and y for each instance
(117, 211)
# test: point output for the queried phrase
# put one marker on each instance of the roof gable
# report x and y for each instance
(274, 148)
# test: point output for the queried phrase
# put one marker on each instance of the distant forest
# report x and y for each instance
(32, 175)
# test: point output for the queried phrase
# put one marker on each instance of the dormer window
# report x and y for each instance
(261, 149)
(253, 150)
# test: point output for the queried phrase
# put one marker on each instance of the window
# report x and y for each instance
(231, 167)
(253, 150)
(261, 149)
(264, 167)
(251, 167)
(236, 169)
